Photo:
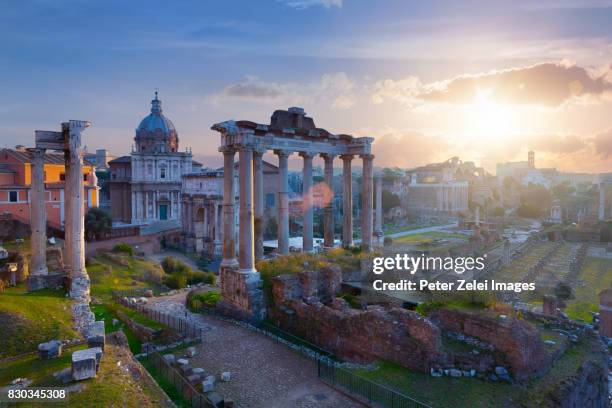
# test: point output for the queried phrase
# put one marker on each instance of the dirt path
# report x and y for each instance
(263, 372)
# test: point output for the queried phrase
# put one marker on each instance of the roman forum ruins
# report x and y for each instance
(68, 141)
(289, 132)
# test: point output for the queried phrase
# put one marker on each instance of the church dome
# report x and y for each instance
(156, 133)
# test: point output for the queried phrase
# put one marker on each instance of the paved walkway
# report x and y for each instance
(264, 373)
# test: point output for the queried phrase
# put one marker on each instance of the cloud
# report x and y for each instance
(603, 144)
(549, 84)
(335, 89)
(552, 143)
(305, 4)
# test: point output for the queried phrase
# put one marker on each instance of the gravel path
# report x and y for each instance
(263, 372)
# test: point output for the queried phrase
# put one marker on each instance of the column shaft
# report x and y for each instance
(38, 219)
(307, 204)
(328, 214)
(229, 246)
(259, 202)
(347, 201)
(379, 210)
(602, 202)
(367, 202)
(67, 255)
(246, 251)
(283, 203)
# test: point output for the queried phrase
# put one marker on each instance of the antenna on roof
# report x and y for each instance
(156, 91)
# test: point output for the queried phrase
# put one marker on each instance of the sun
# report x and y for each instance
(489, 119)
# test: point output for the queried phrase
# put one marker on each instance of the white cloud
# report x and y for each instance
(334, 89)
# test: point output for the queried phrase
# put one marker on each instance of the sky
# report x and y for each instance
(485, 81)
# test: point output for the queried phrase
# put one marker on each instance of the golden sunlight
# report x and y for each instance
(489, 119)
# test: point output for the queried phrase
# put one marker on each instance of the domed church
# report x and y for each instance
(145, 187)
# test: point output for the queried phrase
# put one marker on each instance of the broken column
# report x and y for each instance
(74, 178)
(38, 222)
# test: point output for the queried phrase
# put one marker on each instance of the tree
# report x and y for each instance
(97, 224)
(535, 201)
(389, 201)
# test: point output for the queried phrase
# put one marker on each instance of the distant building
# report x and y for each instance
(145, 187)
(16, 176)
(99, 159)
(434, 189)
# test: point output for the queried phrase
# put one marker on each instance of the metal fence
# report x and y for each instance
(180, 324)
(374, 393)
(195, 398)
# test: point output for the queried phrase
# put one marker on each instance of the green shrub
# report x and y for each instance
(124, 248)
(175, 281)
(351, 299)
(201, 277)
(199, 299)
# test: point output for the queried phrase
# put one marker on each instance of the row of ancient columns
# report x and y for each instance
(74, 220)
(250, 239)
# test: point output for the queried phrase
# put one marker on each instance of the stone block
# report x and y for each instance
(50, 349)
(182, 362)
(228, 404)
(436, 372)
(84, 364)
(207, 385)
(193, 379)
(455, 373)
(226, 376)
(95, 334)
(148, 293)
(170, 359)
(191, 351)
(199, 371)
(186, 370)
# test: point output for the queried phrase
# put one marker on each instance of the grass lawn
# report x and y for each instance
(596, 275)
(103, 312)
(391, 229)
(429, 237)
(441, 392)
(31, 367)
(28, 319)
(120, 272)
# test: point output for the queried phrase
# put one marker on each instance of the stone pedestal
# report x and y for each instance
(84, 364)
(242, 295)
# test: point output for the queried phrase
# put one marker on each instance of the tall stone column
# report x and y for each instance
(259, 202)
(347, 201)
(246, 250)
(328, 214)
(67, 255)
(367, 202)
(379, 210)
(229, 246)
(283, 202)
(307, 204)
(602, 202)
(38, 219)
(79, 288)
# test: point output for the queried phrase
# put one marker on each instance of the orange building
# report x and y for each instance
(16, 176)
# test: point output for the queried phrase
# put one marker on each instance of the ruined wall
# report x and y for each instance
(305, 304)
(518, 340)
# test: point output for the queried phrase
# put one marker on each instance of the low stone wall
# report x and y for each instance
(517, 340)
(143, 333)
(362, 336)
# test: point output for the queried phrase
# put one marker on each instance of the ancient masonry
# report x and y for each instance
(288, 132)
(68, 141)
